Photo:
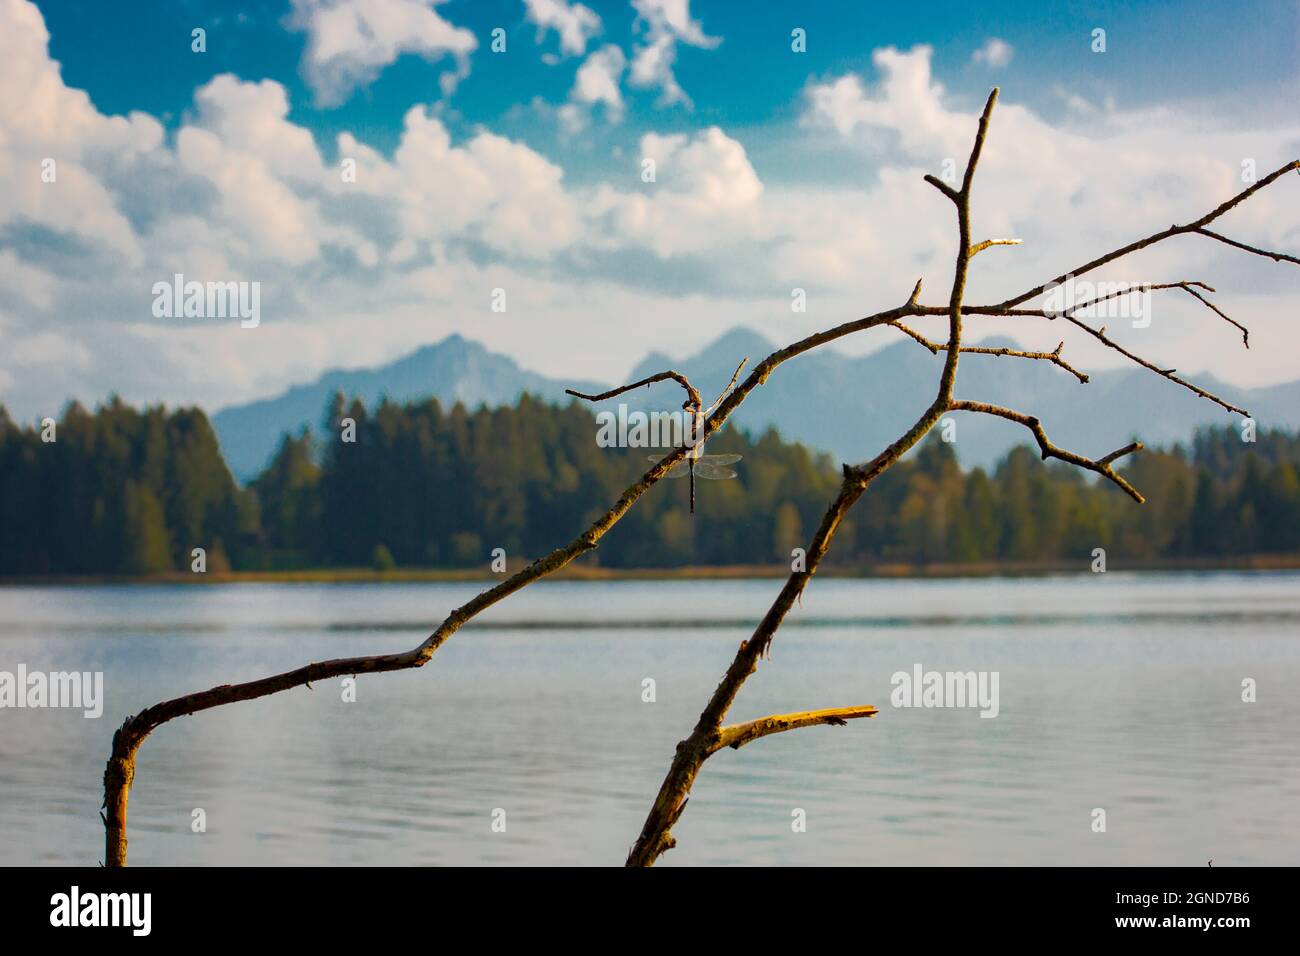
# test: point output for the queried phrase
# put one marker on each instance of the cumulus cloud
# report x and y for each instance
(705, 194)
(597, 81)
(1071, 190)
(995, 53)
(666, 23)
(358, 272)
(242, 193)
(574, 23)
(349, 42)
(491, 190)
(905, 107)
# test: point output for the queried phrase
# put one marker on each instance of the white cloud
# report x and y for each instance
(906, 107)
(706, 193)
(255, 116)
(597, 81)
(575, 23)
(666, 23)
(1071, 190)
(349, 42)
(493, 190)
(995, 53)
(358, 273)
(674, 17)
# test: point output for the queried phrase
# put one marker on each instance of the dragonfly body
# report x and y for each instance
(697, 465)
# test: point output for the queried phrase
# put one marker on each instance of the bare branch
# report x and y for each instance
(1053, 357)
(737, 735)
(735, 375)
(1186, 286)
(1275, 256)
(1192, 227)
(1100, 336)
(691, 753)
(759, 373)
(709, 735)
(943, 187)
(957, 295)
(1137, 288)
(1100, 466)
(692, 400)
(981, 246)
(119, 773)
(1245, 332)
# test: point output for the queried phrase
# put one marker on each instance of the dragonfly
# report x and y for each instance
(696, 464)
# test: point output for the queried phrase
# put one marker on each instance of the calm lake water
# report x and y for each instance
(1117, 691)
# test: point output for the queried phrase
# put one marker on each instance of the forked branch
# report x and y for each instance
(1069, 314)
(656, 837)
(1195, 227)
(1053, 357)
(730, 385)
(1101, 466)
(692, 396)
(1100, 336)
(1186, 285)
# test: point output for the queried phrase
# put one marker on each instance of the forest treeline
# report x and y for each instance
(127, 491)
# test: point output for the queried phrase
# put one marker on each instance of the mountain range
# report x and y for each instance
(849, 406)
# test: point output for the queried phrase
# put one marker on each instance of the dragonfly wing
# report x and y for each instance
(707, 469)
(721, 459)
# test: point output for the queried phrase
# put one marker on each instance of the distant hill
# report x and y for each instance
(855, 406)
(453, 370)
(849, 406)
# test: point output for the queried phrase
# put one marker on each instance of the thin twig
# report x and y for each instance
(1245, 332)
(737, 735)
(1101, 466)
(1053, 357)
(1198, 226)
(1267, 253)
(981, 246)
(692, 400)
(734, 376)
(1100, 336)
(1186, 286)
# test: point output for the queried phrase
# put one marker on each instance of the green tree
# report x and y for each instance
(148, 549)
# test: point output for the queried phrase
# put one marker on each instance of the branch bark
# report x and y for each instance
(737, 735)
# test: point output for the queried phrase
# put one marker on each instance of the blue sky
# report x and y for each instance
(136, 56)
(521, 170)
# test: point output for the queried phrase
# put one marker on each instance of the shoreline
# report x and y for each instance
(889, 570)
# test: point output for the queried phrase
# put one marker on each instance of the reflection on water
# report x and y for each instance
(1117, 691)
